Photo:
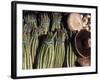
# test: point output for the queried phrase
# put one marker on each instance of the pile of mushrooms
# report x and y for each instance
(81, 24)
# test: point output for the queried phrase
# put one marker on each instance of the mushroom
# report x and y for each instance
(86, 22)
(75, 22)
(83, 43)
(84, 61)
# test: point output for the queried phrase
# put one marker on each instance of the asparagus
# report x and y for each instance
(26, 53)
(59, 49)
(46, 54)
(71, 55)
(44, 22)
(30, 41)
(30, 19)
(56, 21)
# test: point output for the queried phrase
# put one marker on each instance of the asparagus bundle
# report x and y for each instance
(70, 55)
(46, 54)
(30, 41)
(44, 23)
(27, 62)
(56, 21)
(59, 49)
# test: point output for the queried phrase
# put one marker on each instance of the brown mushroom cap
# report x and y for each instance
(84, 61)
(82, 43)
(75, 22)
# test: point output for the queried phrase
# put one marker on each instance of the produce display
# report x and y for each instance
(56, 40)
